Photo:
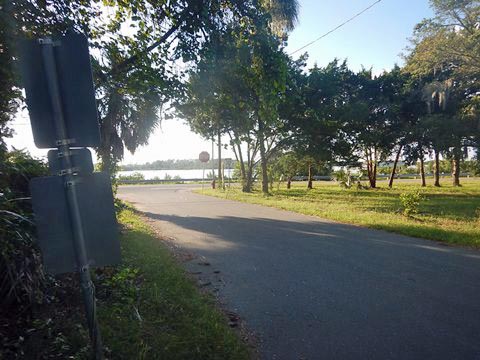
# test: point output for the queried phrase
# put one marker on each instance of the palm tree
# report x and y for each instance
(284, 15)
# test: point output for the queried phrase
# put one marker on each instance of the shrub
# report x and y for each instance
(178, 179)
(20, 264)
(346, 179)
(134, 176)
(411, 202)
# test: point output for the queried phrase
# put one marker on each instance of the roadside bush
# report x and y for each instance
(177, 179)
(346, 179)
(22, 280)
(134, 176)
(411, 202)
(20, 265)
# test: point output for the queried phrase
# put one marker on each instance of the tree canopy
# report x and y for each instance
(139, 52)
(222, 66)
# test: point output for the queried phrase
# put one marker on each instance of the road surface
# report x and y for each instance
(314, 289)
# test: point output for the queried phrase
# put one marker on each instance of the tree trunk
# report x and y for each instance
(310, 177)
(394, 169)
(371, 169)
(106, 162)
(108, 165)
(373, 180)
(263, 157)
(436, 171)
(249, 172)
(223, 175)
(106, 151)
(263, 161)
(422, 171)
(371, 175)
(247, 187)
(456, 167)
(289, 183)
(220, 177)
(243, 172)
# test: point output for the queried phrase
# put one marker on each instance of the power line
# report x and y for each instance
(338, 27)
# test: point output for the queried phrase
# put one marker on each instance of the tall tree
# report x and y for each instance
(373, 120)
(401, 116)
(313, 110)
(288, 165)
(266, 79)
(451, 37)
(29, 18)
(236, 89)
(446, 48)
(138, 48)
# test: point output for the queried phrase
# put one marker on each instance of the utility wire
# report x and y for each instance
(338, 27)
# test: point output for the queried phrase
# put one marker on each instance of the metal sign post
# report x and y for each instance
(203, 157)
(71, 181)
(74, 212)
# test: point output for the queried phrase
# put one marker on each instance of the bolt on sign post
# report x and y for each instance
(203, 157)
(74, 211)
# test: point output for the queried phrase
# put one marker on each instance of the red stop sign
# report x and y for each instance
(204, 156)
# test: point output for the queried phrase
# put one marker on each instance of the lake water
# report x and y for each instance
(184, 174)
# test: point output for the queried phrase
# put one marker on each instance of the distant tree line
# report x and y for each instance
(188, 164)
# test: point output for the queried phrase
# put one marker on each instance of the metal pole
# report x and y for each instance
(213, 166)
(71, 181)
(223, 173)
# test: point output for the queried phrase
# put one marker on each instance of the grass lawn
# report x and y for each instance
(448, 214)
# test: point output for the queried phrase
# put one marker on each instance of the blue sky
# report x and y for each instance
(375, 39)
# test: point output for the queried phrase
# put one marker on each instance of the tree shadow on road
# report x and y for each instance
(232, 234)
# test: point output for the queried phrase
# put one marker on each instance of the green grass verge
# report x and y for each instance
(148, 308)
(153, 311)
(448, 214)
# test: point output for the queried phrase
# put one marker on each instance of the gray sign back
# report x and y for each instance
(76, 86)
(81, 160)
(54, 227)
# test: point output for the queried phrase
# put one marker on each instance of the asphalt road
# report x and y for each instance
(314, 289)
